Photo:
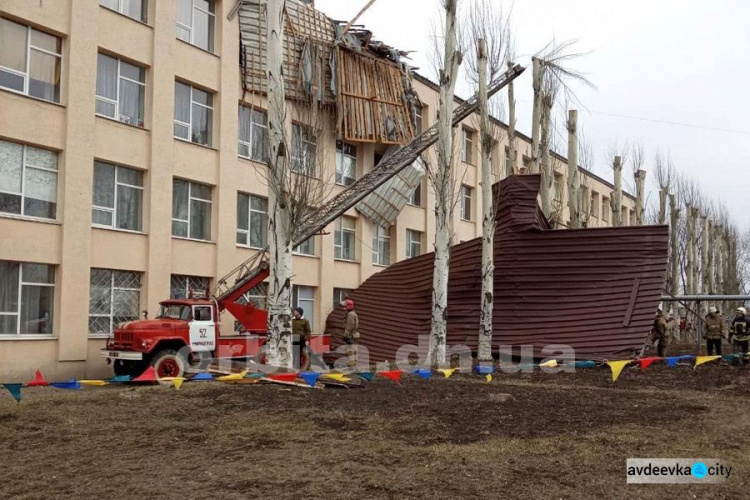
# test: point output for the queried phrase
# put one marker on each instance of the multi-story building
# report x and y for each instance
(130, 171)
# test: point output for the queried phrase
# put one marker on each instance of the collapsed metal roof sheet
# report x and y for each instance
(595, 290)
(383, 205)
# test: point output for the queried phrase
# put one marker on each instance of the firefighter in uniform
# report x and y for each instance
(351, 332)
(714, 330)
(301, 332)
(740, 333)
(660, 332)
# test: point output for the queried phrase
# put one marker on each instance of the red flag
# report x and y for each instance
(394, 375)
(38, 380)
(284, 377)
(646, 362)
(148, 376)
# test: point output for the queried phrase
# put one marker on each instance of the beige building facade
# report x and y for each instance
(131, 169)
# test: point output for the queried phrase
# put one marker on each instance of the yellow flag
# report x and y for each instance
(488, 377)
(338, 377)
(549, 364)
(699, 360)
(93, 382)
(617, 367)
(447, 371)
(232, 377)
(177, 381)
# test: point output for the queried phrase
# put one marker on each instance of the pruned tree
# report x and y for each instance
(664, 178)
(586, 163)
(574, 179)
(637, 161)
(619, 159)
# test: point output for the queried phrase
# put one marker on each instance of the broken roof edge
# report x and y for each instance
(434, 86)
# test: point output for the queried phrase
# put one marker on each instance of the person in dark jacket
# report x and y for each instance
(714, 330)
(351, 332)
(740, 333)
(301, 333)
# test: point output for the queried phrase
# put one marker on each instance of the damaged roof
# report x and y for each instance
(595, 290)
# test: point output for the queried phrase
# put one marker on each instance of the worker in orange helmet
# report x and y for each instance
(351, 332)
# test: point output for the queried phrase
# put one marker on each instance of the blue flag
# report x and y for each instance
(367, 376)
(71, 385)
(672, 360)
(14, 390)
(485, 369)
(203, 376)
(119, 379)
(585, 364)
(310, 377)
(425, 373)
(254, 375)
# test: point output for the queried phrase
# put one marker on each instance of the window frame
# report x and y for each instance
(594, 204)
(27, 74)
(187, 279)
(301, 150)
(341, 153)
(338, 247)
(466, 192)
(306, 248)
(191, 29)
(381, 235)
(415, 201)
(467, 136)
(418, 119)
(209, 131)
(113, 210)
(116, 102)
(120, 10)
(410, 241)
(250, 211)
(297, 302)
(112, 289)
(190, 209)
(606, 212)
(253, 124)
(17, 314)
(22, 193)
(339, 297)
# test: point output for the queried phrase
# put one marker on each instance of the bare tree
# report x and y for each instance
(664, 178)
(637, 161)
(586, 163)
(574, 182)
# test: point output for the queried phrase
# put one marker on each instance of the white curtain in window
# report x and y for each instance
(13, 38)
(40, 193)
(200, 220)
(9, 275)
(180, 200)
(11, 166)
(202, 119)
(106, 83)
(131, 102)
(129, 208)
(181, 102)
(245, 125)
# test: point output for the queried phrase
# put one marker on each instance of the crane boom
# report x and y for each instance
(247, 275)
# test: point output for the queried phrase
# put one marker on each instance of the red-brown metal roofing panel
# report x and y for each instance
(595, 290)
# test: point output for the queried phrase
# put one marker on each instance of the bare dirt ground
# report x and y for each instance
(520, 436)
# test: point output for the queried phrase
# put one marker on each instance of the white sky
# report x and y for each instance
(685, 62)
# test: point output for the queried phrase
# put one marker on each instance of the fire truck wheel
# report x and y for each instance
(168, 363)
(131, 368)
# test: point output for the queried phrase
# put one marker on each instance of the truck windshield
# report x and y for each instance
(174, 311)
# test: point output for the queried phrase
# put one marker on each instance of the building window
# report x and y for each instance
(594, 208)
(527, 163)
(28, 180)
(193, 114)
(120, 90)
(252, 220)
(633, 221)
(135, 9)
(605, 209)
(191, 210)
(195, 23)
(118, 197)
(339, 294)
(381, 246)
(466, 202)
(253, 134)
(413, 243)
(557, 188)
(467, 145)
(346, 163)
(304, 297)
(344, 236)
(304, 149)
(418, 124)
(114, 297)
(416, 196)
(27, 295)
(181, 286)
(29, 61)
(624, 215)
(307, 247)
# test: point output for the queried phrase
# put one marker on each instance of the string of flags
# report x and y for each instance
(312, 378)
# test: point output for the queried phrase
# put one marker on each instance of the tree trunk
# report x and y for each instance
(663, 206)
(711, 281)
(545, 190)
(674, 244)
(720, 260)
(704, 255)
(278, 340)
(536, 118)
(640, 197)
(574, 181)
(690, 250)
(511, 167)
(488, 213)
(443, 191)
(694, 267)
(615, 201)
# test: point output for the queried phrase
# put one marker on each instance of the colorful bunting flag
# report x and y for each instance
(254, 375)
(71, 385)
(672, 360)
(488, 377)
(366, 376)
(616, 367)
(283, 377)
(338, 377)
(646, 362)
(38, 380)
(119, 379)
(704, 359)
(232, 377)
(485, 369)
(584, 364)
(178, 382)
(447, 371)
(202, 376)
(424, 373)
(394, 375)
(147, 377)
(93, 382)
(14, 390)
(310, 377)
(731, 357)
(552, 363)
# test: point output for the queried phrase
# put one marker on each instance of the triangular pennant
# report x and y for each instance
(672, 360)
(283, 377)
(119, 379)
(585, 364)
(147, 377)
(704, 359)
(424, 373)
(488, 377)
(14, 390)
(93, 382)
(552, 363)
(71, 385)
(366, 376)
(394, 375)
(646, 362)
(731, 357)
(485, 369)
(339, 377)
(232, 377)
(254, 375)
(616, 367)
(202, 376)
(38, 380)
(310, 377)
(178, 382)
(447, 371)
